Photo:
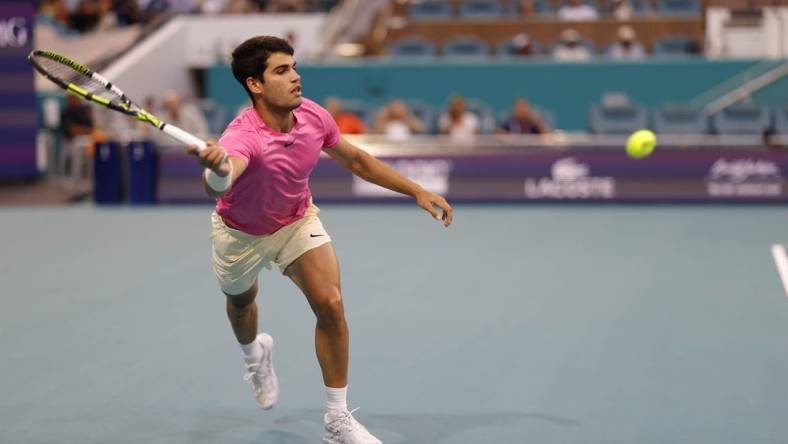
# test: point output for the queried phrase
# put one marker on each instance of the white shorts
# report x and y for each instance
(239, 257)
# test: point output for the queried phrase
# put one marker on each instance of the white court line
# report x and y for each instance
(781, 259)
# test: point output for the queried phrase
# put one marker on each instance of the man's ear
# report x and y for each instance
(254, 85)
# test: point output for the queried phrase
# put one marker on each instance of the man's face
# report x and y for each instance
(281, 86)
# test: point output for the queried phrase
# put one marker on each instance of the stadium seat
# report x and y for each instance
(507, 48)
(617, 116)
(743, 118)
(781, 120)
(676, 46)
(481, 10)
(680, 119)
(412, 47)
(679, 7)
(466, 47)
(428, 10)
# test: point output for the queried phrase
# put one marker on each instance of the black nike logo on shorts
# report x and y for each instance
(315, 235)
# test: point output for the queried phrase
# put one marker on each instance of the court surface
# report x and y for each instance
(519, 324)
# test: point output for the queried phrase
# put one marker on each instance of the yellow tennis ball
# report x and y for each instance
(641, 143)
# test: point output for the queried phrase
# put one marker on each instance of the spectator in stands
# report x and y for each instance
(240, 7)
(186, 116)
(458, 123)
(396, 122)
(621, 10)
(524, 120)
(285, 6)
(86, 16)
(570, 49)
(577, 11)
(54, 10)
(347, 122)
(627, 47)
(526, 7)
(127, 12)
(522, 45)
(76, 121)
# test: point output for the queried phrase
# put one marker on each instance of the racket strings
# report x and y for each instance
(71, 75)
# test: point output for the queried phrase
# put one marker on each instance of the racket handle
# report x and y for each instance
(183, 136)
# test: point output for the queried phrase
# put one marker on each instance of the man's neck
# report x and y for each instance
(279, 120)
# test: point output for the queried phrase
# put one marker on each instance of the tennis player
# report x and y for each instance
(264, 215)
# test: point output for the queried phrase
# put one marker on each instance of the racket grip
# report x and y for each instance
(183, 136)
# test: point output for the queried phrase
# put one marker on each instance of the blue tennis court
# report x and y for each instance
(538, 324)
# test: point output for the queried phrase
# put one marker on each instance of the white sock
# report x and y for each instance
(252, 352)
(336, 399)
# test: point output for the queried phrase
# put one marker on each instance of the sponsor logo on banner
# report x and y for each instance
(13, 32)
(431, 174)
(744, 177)
(570, 180)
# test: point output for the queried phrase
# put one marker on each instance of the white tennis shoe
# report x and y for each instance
(344, 429)
(262, 376)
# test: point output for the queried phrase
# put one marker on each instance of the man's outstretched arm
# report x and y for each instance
(367, 167)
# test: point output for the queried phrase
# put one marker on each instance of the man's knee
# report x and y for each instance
(240, 304)
(329, 307)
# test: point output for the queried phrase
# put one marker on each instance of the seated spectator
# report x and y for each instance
(627, 47)
(347, 122)
(458, 123)
(522, 45)
(187, 117)
(240, 7)
(570, 49)
(55, 10)
(285, 6)
(577, 11)
(621, 10)
(396, 122)
(526, 7)
(524, 120)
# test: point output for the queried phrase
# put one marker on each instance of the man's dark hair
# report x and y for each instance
(250, 57)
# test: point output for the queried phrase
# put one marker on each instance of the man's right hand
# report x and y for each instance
(213, 157)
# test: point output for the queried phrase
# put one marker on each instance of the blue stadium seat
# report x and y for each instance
(618, 119)
(481, 10)
(412, 47)
(428, 10)
(593, 3)
(466, 47)
(507, 49)
(679, 7)
(744, 118)
(680, 119)
(675, 46)
(781, 120)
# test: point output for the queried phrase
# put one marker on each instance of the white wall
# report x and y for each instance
(162, 61)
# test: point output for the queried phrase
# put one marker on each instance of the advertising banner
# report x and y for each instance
(18, 118)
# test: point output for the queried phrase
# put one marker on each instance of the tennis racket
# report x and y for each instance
(91, 86)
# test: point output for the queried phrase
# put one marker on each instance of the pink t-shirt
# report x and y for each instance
(273, 191)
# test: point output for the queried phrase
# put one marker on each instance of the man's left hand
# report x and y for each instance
(429, 200)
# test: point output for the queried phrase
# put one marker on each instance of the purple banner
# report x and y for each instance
(18, 117)
(547, 175)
